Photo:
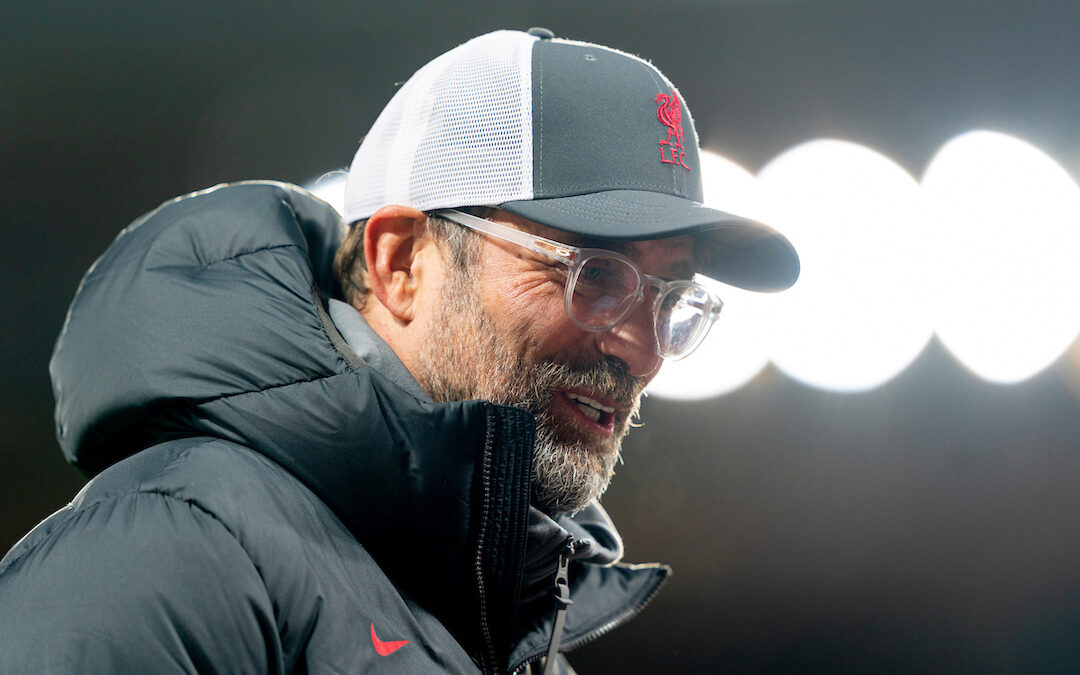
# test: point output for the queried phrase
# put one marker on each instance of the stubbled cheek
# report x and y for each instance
(532, 310)
(530, 294)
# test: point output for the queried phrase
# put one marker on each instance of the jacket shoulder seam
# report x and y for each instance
(241, 254)
(71, 510)
(262, 390)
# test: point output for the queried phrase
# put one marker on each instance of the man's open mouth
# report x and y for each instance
(598, 412)
(590, 407)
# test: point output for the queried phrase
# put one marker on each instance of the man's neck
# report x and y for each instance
(370, 346)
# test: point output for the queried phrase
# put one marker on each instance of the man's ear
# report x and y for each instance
(393, 238)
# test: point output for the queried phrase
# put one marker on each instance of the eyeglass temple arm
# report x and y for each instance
(537, 243)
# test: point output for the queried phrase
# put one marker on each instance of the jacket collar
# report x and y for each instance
(367, 344)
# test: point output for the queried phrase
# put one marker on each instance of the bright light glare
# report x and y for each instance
(856, 316)
(1008, 231)
(736, 349)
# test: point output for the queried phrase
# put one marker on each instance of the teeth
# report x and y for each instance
(592, 403)
(591, 413)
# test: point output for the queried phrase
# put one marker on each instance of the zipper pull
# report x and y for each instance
(562, 599)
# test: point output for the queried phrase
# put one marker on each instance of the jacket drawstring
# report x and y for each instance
(562, 598)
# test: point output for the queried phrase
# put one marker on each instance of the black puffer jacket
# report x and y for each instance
(264, 501)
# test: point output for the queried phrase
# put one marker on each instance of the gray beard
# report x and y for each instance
(466, 358)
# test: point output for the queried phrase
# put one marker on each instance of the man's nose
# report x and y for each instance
(633, 340)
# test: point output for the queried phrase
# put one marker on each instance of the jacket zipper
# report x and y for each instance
(563, 601)
(605, 628)
(488, 653)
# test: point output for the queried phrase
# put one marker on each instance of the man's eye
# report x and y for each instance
(593, 274)
(599, 272)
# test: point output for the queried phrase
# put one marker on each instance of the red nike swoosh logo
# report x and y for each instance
(385, 647)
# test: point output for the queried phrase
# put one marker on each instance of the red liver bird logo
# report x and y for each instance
(669, 113)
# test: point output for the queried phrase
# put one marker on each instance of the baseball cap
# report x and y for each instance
(576, 136)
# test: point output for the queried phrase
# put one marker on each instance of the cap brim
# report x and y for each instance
(739, 251)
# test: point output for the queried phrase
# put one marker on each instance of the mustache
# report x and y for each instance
(609, 378)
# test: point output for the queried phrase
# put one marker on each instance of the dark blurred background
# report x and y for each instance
(931, 524)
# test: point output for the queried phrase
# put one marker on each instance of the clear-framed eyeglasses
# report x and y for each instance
(604, 287)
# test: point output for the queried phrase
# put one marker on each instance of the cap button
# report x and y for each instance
(542, 33)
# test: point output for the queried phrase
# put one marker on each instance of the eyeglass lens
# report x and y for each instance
(606, 287)
(680, 318)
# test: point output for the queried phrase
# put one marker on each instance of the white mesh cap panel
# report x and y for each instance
(458, 133)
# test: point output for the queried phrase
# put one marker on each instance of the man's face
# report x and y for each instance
(499, 332)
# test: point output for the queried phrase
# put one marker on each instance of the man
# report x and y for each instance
(383, 455)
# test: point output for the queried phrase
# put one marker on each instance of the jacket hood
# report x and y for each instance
(208, 297)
